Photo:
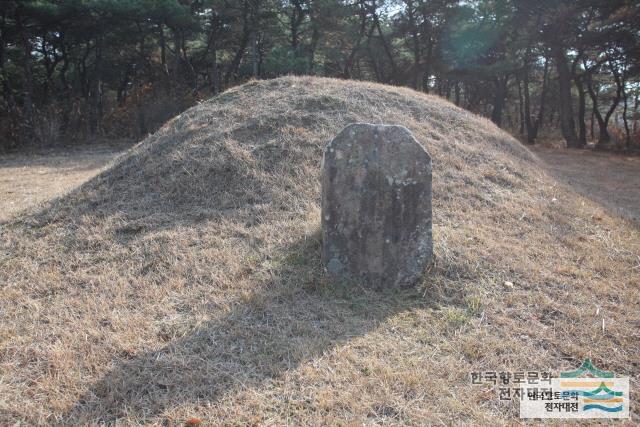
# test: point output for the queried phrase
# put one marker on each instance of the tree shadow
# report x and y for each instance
(69, 159)
(289, 319)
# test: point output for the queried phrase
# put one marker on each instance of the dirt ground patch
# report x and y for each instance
(612, 180)
(27, 179)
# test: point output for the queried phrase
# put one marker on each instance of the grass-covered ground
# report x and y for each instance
(28, 178)
(185, 279)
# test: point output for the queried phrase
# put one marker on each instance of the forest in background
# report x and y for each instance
(73, 70)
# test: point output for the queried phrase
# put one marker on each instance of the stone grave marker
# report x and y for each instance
(376, 206)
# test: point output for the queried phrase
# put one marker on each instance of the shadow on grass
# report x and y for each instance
(175, 179)
(292, 318)
(67, 159)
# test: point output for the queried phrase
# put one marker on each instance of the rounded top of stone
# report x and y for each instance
(389, 133)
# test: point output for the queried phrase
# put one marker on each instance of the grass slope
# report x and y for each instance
(185, 280)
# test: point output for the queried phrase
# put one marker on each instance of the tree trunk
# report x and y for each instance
(415, 38)
(372, 56)
(27, 69)
(498, 103)
(95, 109)
(531, 132)
(49, 66)
(635, 111)
(385, 47)
(567, 124)
(530, 126)
(520, 104)
(624, 118)
(255, 26)
(7, 90)
(603, 137)
(426, 74)
(543, 95)
(163, 50)
(215, 74)
(121, 96)
(582, 128)
(315, 38)
(193, 75)
(254, 54)
(349, 62)
(428, 42)
(85, 83)
(177, 46)
(65, 88)
(232, 69)
(295, 21)
(604, 133)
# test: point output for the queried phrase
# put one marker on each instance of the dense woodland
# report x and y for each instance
(73, 70)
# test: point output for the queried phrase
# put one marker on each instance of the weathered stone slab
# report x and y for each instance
(376, 206)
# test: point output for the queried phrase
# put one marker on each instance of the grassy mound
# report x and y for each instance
(185, 280)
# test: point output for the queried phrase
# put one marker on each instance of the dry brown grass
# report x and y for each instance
(29, 178)
(185, 281)
(610, 179)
